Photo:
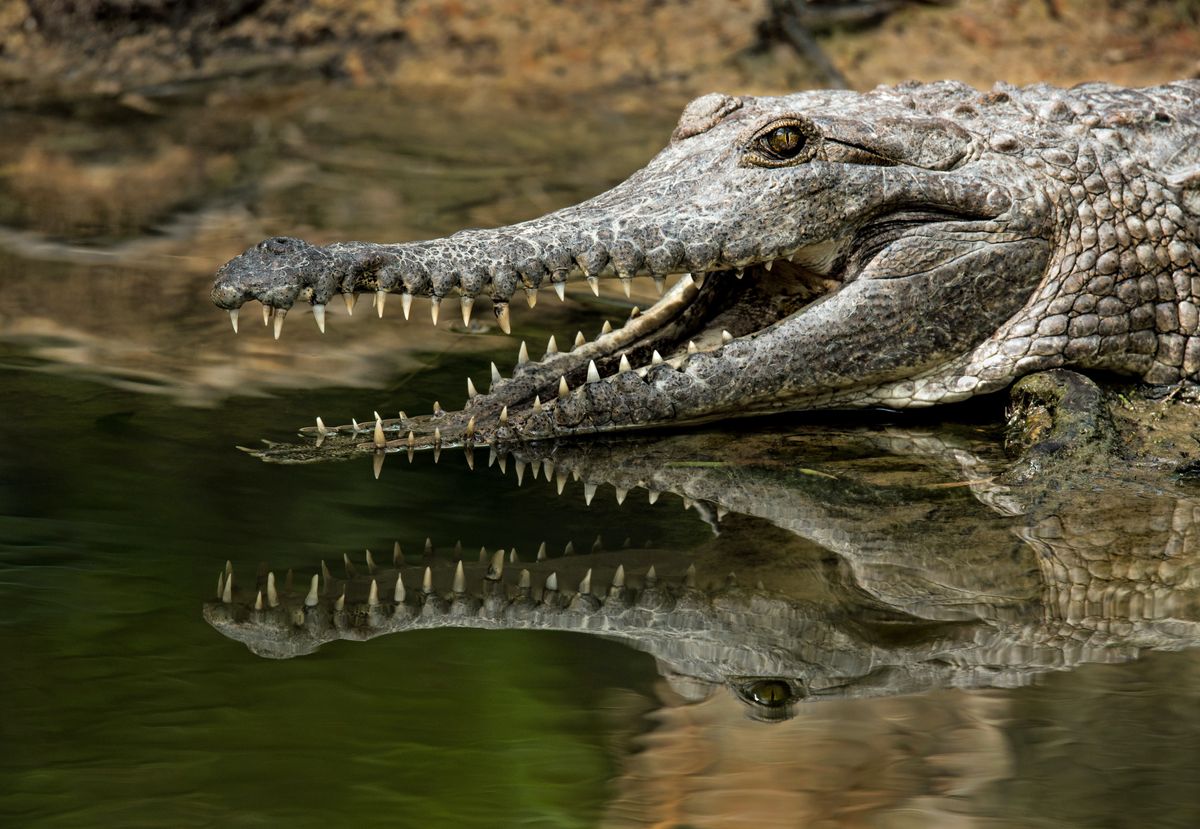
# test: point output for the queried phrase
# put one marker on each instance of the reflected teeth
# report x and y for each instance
(279, 315)
(319, 316)
(233, 318)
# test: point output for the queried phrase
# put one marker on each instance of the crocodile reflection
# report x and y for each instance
(844, 564)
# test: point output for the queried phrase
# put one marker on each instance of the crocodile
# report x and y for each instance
(847, 563)
(899, 248)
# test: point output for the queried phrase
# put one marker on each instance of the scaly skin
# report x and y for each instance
(900, 248)
(865, 563)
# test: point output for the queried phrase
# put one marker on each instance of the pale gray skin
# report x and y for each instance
(953, 241)
(866, 563)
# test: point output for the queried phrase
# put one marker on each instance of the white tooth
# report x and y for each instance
(531, 296)
(552, 581)
(606, 328)
(627, 286)
(621, 493)
(406, 304)
(769, 264)
(340, 604)
(380, 440)
(354, 425)
(321, 430)
(624, 366)
(655, 358)
(313, 595)
(589, 492)
(279, 315)
(471, 428)
(266, 309)
(635, 313)
(579, 339)
(740, 273)
(272, 593)
(560, 288)
(502, 317)
(227, 593)
(541, 553)
(435, 303)
(258, 602)
(520, 472)
(467, 303)
(398, 596)
(319, 316)
(460, 579)
(594, 284)
(726, 337)
(563, 388)
(537, 404)
(653, 496)
(471, 392)
(370, 562)
(496, 378)
(619, 578)
(593, 375)
(233, 315)
(551, 347)
(380, 299)
(373, 596)
(691, 349)
(585, 586)
(522, 354)
(351, 300)
(504, 416)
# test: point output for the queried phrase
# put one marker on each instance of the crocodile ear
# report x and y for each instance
(932, 143)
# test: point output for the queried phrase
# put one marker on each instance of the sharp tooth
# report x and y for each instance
(227, 593)
(551, 347)
(279, 315)
(589, 492)
(593, 375)
(435, 303)
(660, 284)
(513, 558)
(313, 596)
(233, 315)
(653, 496)
(691, 349)
(585, 586)
(769, 264)
(541, 553)
(377, 464)
(627, 286)
(380, 299)
(437, 409)
(635, 312)
(471, 428)
(531, 296)
(354, 425)
(594, 284)
(406, 304)
(606, 328)
(399, 595)
(552, 581)
(373, 596)
(619, 576)
(266, 309)
(563, 388)
(370, 562)
(427, 581)
(321, 430)
(467, 303)
(560, 480)
(655, 358)
(460, 579)
(537, 405)
(340, 604)
(272, 593)
(380, 440)
(258, 602)
(579, 339)
(520, 472)
(471, 392)
(403, 416)
(503, 464)
(319, 316)
(740, 272)
(621, 493)
(560, 288)
(651, 575)
(502, 317)
(437, 436)
(496, 378)
(726, 337)
(569, 550)
(504, 416)
(522, 354)
(469, 454)
(496, 565)
(351, 299)
(624, 366)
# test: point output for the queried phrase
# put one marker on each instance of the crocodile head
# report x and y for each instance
(898, 248)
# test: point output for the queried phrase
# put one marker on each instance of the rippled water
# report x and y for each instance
(963, 654)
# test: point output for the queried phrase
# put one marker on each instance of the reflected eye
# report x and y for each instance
(783, 143)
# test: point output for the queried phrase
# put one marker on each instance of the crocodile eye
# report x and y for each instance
(770, 693)
(782, 143)
(768, 699)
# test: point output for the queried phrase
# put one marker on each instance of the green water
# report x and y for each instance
(122, 496)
